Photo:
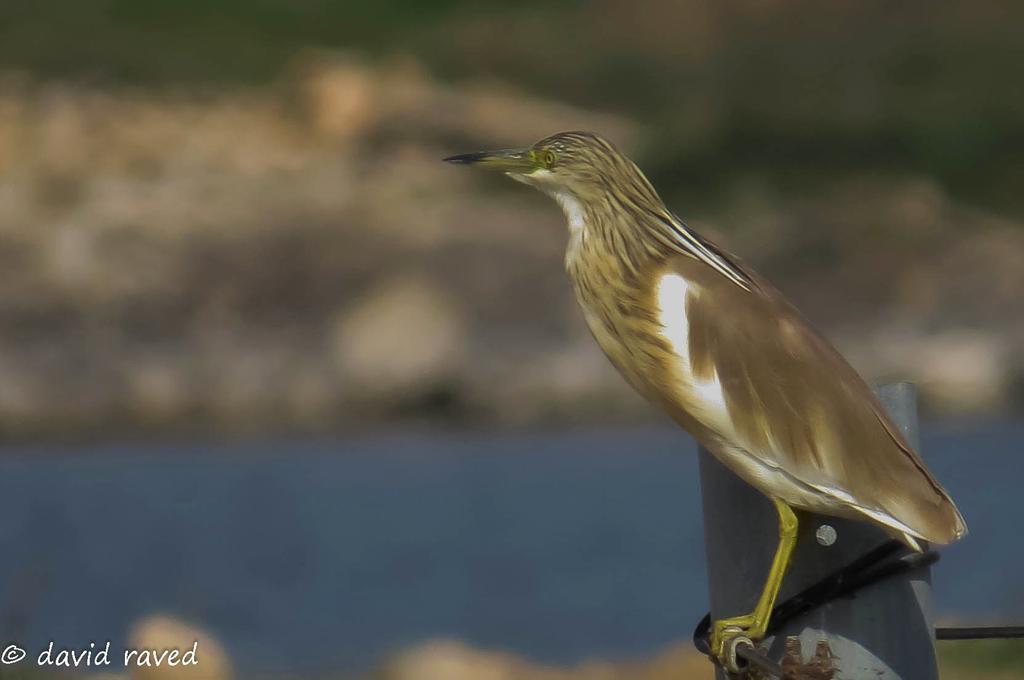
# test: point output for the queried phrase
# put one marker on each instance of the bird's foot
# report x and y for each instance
(728, 634)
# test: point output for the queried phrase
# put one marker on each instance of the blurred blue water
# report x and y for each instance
(324, 556)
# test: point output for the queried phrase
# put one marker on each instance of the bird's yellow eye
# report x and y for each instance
(549, 158)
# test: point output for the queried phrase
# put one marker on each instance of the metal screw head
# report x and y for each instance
(826, 535)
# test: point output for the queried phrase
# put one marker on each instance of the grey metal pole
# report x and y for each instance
(884, 632)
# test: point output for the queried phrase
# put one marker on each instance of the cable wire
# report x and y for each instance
(758, 660)
(979, 632)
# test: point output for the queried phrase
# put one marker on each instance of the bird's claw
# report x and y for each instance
(726, 636)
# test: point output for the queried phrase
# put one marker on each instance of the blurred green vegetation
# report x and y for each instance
(166, 41)
(782, 94)
(986, 658)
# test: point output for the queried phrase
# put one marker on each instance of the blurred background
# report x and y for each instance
(273, 375)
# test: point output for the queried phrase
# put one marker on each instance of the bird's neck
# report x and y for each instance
(574, 209)
(629, 233)
(617, 232)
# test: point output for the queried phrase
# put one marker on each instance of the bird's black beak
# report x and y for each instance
(519, 161)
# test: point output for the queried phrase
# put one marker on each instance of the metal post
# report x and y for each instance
(885, 632)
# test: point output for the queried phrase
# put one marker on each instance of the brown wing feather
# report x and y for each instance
(795, 401)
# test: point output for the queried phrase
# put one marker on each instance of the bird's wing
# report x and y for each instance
(795, 403)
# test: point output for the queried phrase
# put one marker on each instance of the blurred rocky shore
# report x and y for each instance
(296, 258)
(445, 659)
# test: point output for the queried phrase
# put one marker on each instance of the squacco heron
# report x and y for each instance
(696, 331)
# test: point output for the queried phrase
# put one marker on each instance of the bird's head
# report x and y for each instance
(569, 165)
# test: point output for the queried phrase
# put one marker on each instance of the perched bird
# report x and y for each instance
(699, 333)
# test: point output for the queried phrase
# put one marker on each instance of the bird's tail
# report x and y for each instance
(939, 523)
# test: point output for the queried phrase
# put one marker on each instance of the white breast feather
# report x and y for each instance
(576, 218)
(573, 210)
(703, 398)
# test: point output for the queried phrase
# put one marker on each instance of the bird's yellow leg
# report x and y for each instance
(755, 624)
